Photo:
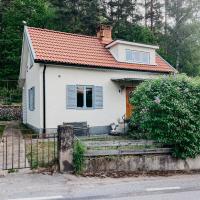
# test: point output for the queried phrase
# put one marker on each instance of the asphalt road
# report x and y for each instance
(67, 187)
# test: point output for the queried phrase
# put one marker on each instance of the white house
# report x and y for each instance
(74, 78)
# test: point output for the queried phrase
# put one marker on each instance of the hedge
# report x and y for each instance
(168, 110)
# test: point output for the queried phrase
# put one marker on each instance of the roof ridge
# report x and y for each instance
(61, 32)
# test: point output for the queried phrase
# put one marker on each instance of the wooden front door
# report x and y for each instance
(129, 107)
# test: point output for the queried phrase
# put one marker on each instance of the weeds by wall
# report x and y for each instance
(78, 157)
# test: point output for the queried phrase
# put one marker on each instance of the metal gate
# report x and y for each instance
(28, 151)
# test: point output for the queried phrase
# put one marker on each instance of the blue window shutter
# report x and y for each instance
(29, 99)
(71, 97)
(33, 101)
(98, 97)
(31, 96)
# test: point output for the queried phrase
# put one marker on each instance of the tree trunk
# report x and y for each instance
(145, 14)
(177, 60)
(151, 15)
(166, 16)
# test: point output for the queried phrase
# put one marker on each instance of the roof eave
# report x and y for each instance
(175, 71)
(100, 67)
(114, 42)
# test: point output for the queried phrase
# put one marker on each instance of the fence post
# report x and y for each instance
(65, 148)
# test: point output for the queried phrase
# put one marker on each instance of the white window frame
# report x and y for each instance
(84, 96)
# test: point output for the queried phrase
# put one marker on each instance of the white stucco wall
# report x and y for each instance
(57, 78)
(119, 52)
(30, 77)
(24, 104)
(34, 79)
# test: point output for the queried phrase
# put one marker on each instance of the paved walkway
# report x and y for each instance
(12, 148)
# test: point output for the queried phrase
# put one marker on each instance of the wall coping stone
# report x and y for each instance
(93, 153)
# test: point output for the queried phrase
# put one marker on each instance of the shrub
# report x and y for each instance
(168, 111)
(9, 96)
(78, 157)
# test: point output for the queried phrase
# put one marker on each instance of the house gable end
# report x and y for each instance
(27, 53)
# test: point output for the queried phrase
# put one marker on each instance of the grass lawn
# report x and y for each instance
(39, 152)
(44, 153)
(2, 127)
(103, 138)
(106, 144)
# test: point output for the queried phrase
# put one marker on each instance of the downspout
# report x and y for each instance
(44, 100)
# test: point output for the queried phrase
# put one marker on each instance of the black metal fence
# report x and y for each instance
(19, 151)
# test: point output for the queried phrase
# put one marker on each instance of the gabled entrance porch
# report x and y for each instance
(129, 85)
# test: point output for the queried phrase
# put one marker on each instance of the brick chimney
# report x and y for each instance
(104, 33)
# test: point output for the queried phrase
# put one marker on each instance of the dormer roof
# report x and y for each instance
(131, 44)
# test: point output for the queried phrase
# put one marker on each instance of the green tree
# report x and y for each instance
(135, 33)
(36, 13)
(121, 13)
(153, 14)
(77, 16)
(181, 32)
(3, 5)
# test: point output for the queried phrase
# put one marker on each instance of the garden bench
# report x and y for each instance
(80, 128)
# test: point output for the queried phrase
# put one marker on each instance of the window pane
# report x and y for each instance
(137, 56)
(88, 97)
(145, 58)
(80, 96)
(129, 55)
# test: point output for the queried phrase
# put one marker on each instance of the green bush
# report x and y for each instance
(78, 157)
(168, 110)
(9, 96)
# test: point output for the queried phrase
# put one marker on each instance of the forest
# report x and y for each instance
(174, 25)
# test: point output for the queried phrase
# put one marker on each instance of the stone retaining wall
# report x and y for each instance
(137, 163)
(10, 112)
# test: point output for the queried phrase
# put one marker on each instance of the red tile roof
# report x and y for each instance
(66, 48)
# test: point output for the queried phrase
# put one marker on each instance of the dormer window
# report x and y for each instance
(133, 56)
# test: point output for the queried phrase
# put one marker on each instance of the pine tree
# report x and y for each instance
(153, 14)
(121, 13)
(182, 30)
(166, 4)
(77, 16)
